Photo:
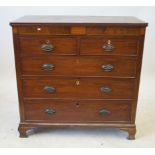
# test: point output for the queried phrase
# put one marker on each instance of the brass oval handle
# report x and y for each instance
(108, 47)
(48, 66)
(107, 67)
(49, 89)
(47, 47)
(105, 89)
(104, 112)
(50, 111)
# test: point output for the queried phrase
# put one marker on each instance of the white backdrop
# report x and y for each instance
(8, 94)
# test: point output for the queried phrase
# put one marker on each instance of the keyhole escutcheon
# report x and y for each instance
(77, 82)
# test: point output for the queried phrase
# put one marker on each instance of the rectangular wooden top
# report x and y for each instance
(78, 20)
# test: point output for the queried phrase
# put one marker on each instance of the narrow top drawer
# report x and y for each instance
(40, 29)
(77, 30)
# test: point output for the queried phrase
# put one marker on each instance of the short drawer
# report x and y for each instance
(43, 30)
(52, 30)
(78, 111)
(108, 46)
(79, 88)
(79, 66)
(47, 46)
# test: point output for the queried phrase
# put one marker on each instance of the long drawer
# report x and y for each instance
(104, 88)
(78, 111)
(79, 66)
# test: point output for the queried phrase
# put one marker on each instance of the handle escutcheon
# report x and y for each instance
(47, 47)
(48, 67)
(108, 47)
(104, 112)
(50, 111)
(105, 89)
(107, 67)
(49, 89)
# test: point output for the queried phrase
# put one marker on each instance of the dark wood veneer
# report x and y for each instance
(67, 53)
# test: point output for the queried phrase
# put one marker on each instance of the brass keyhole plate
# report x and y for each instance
(77, 82)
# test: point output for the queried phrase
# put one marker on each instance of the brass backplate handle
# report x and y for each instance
(107, 67)
(50, 111)
(108, 47)
(106, 89)
(104, 112)
(49, 89)
(48, 66)
(47, 47)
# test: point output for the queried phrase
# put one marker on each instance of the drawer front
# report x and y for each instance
(79, 66)
(79, 88)
(78, 30)
(77, 111)
(45, 30)
(48, 46)
(108, 46)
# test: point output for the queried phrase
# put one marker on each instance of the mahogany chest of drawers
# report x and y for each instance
(78, 71)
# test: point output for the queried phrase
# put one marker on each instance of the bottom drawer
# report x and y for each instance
(78, 111)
